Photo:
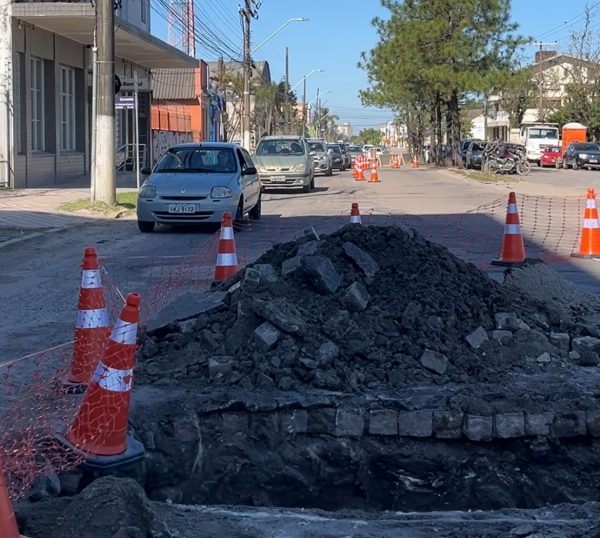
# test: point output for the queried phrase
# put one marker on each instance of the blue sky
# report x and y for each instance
(339, 30)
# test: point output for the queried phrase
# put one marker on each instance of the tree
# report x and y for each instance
(369, 136)
(430, 54)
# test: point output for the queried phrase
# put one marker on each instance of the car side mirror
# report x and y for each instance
(250, 171)
(312, 153)
(146, 171)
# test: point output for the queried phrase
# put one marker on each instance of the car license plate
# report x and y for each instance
(593, 160)
(182, 208)
(278, 179)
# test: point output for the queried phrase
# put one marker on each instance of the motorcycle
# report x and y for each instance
(498, 161)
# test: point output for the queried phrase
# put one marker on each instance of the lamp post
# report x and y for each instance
(248, 73)
(303, 80)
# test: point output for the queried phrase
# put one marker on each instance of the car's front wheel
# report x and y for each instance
(239, 214)
(256, 211)
(330, 171)
(575, 164)
(146, 227)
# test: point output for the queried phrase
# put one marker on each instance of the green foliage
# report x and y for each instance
(519, 92)
(369, 136)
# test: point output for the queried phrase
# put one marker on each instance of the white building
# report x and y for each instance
(345, 129)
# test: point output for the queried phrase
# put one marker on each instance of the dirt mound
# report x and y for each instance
(363, 308)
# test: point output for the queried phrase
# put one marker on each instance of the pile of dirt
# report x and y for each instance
(367, 307)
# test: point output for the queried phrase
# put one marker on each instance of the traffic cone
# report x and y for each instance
(8, 523)
(589, 246)
(355, 215)
(91, 327)
(374, 175)
(227, 263)
(415, 161)
(359, 172)
(100, 427)
(513, 248)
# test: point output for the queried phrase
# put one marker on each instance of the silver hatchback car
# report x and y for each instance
(197, 183)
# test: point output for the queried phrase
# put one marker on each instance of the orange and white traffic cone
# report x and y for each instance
(355, 215)
(100, 427)
(92, 327)
(358, 168)
(227, 263)
(415, 161)
(589, 246)
(374, 175)
(513, 248)
(8, 523)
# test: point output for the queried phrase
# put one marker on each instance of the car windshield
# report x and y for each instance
(476, 147)
(354, 149)
(587, 147)
(316, 146)
(197, 159)
(543, 133)
(552, 149)
(280, 147)
(335, 149)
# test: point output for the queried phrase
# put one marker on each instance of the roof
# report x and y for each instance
(230, 145)
(562, 59)
(260, 68)
(281, 137)
(180, 83)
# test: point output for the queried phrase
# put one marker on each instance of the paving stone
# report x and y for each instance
(509, 425)
(244, 308)
(235, 424)
(294, 421)
(538, 423)
(592, 419)
(291, 266)
(478, 428)
(307, 249)
(383, 422)
(264, 424)
(586, 343)
(349, 423)
(560, 340)
(281, 313)
(434, 362)
(447, 424)
(328, 351)
(321, 420)
(356, 297)
(251, 279)
(265, 336)
(502, 336)
(571, 424)
(477, 338)
(267, 272)
(362, 259)
(321, 273)
(507, 320)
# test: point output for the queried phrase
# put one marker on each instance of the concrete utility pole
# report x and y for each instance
(104, 169)
(304, 109)
(247, 14)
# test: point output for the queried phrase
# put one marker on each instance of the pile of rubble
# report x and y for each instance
(364, 308)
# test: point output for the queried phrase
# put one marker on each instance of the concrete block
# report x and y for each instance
(328, 352)
(244, 308)
(235, 424)
(509, 425)
(507, 320)
(362, 259)
(349, 423)
(478, 428)
(383, 422)
(447, 424)
(267, 272)
(502, 336)
(477, 338)
(434, 362)
(291, 266)
(251, 279)
(321, 420)
(592, 419)
(307, 249)
(586, 343)
(538, 423)
(265, 336)
(321, 273)
(294, 421)
(560, 340)
(264, 424)
(356, 297)
(571, 424)
(415, 423)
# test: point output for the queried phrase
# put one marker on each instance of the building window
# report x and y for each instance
(144, 8)
(38, 142)
(67, 109)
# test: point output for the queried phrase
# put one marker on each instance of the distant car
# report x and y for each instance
(322, 163)
(550, 156)
(582, 155)
(474, 155)
(339, 163)
(345, 154)
(283, 162)
(354, 151)
(197, 183)
(464, 146)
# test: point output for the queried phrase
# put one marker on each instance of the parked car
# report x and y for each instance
(354, 151)
(197, 183)
(582, 155)
(339, 163)
(322, 163)
(346, 155)
(474, 153)
(550, 155)
(283, 162)
(464, 146)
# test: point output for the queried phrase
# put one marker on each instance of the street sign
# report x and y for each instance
(130, 84)
(124, 102)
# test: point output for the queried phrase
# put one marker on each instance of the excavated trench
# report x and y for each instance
(373, 369)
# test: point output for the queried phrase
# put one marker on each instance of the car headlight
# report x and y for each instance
(583, 155)
(147, 191)
(298, 167)
(221, 192)
(260, 169)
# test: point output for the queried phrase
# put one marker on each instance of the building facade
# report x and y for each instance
(46, 109)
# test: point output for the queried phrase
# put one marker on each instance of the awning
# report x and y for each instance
(75, 20)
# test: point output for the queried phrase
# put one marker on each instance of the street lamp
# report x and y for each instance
(304, 78)
(304, 96)
(294, 19)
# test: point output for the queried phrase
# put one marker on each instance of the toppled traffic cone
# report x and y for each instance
(8, 523)
(589, 246)
(91, 327)
(100, 427)
(355, 215)
(227, 263)
(374, 175)
(513, 248)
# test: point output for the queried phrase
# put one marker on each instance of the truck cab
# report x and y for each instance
(536, 137)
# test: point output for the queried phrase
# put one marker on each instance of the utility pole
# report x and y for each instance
(318, 115)
(104, 168)
(248, 12)
(286, 111)
(541, 111)
(304, 110)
